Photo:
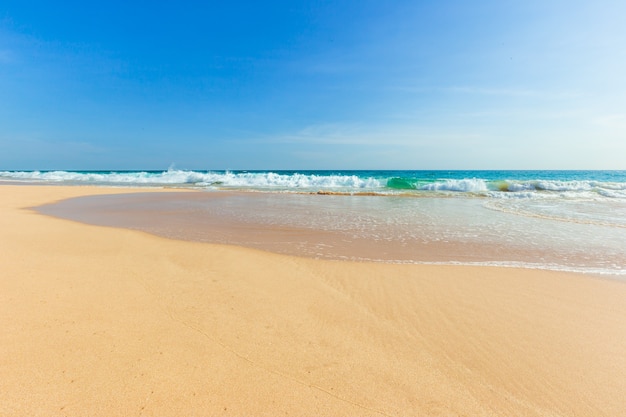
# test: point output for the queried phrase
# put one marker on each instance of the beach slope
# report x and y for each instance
(103, 322)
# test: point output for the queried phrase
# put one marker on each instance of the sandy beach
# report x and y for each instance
(100, 321)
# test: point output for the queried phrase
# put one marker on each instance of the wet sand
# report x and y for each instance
(103, 321)
(387, 229)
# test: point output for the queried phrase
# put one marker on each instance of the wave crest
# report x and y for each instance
(416, 183)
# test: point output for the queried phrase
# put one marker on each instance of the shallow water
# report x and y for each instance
(572, 235)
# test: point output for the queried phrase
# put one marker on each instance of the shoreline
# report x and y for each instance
(288, 225)
(111, 321)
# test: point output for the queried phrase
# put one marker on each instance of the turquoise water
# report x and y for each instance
(557, 220)
(522, 184)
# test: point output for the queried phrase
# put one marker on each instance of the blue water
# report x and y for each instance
(558, 220)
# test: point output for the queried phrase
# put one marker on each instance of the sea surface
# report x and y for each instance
(558, 220)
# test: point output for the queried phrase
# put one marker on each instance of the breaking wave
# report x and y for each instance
(493, 184)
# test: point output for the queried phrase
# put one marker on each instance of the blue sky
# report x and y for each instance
(313, 85)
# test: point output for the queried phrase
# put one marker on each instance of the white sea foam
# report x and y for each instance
(463, 185)
(348, 182)
(259, 180)
(562, 186)
(292, 181)
(617, 273)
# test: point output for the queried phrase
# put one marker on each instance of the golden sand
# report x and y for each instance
(109, 322)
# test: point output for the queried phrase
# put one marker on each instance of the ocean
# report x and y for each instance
(558, 220)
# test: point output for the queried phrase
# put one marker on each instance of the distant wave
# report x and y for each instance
(491, 184)
(105, 178)
(514, 188)
(260, 180)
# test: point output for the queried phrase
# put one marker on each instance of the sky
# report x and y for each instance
(344, 84)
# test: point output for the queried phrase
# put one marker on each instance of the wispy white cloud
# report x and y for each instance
(611, 121)
(514, 92)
